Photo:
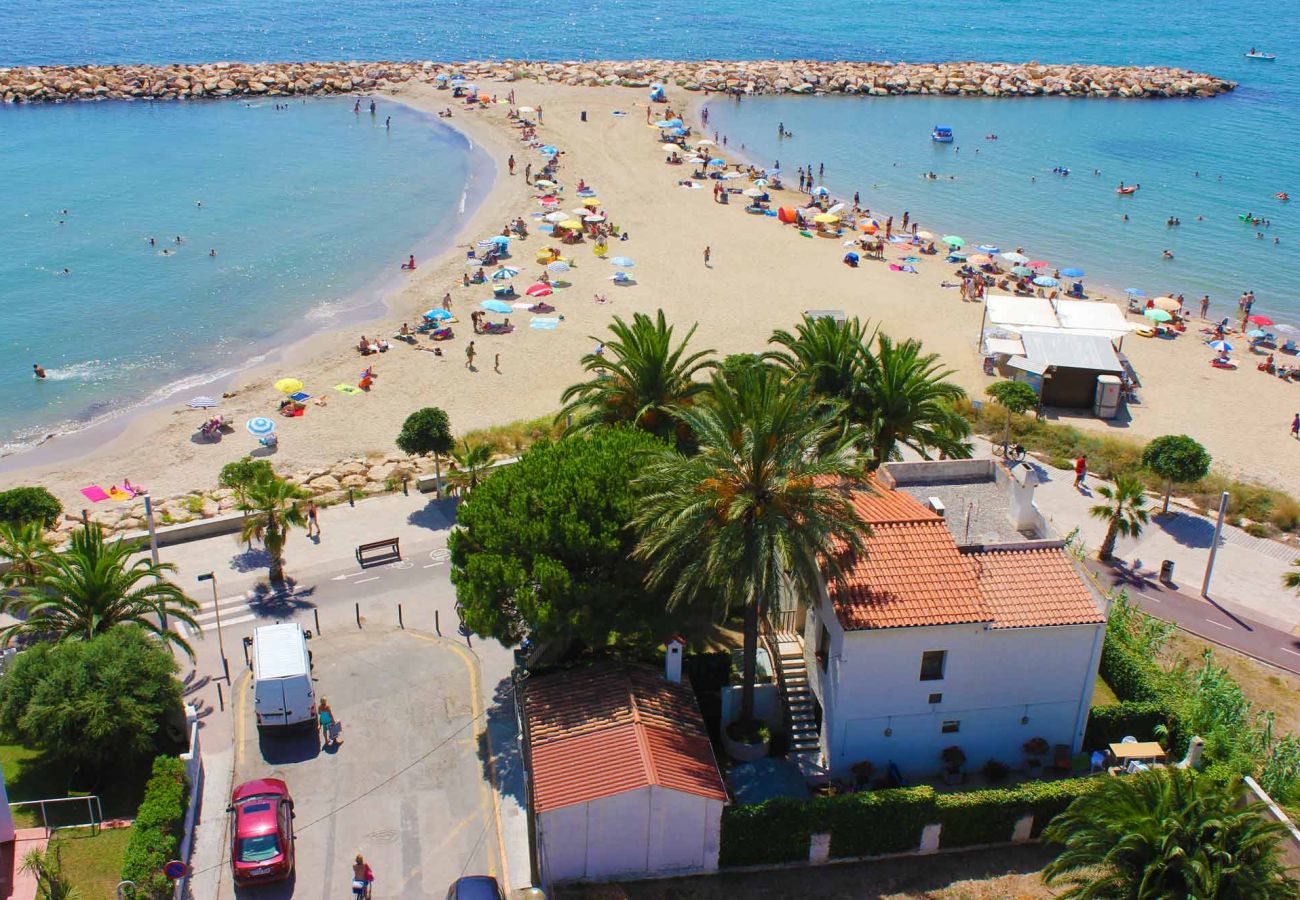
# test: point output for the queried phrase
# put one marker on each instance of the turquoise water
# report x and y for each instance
(303, 206)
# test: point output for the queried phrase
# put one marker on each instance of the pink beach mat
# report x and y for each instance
(94, 493)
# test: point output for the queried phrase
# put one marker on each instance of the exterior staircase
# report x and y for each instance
(793, 677)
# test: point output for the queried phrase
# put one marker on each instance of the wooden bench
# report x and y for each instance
(378, 552)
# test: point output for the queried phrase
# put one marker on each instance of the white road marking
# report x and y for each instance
(364, 580)
(432, 565)
(1289, 650)
(1220, 624)
(347, 575)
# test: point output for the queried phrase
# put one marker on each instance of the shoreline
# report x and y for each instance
(369, 302)
(761, 277)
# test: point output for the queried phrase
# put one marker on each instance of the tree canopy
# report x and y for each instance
(97, 704)
(426, 431)
(240, 475)
(543, 547)
(1176, 458)
(21, 505)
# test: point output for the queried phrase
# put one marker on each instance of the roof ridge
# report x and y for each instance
(639, 730)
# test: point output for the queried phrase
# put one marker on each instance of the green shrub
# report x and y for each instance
(156, 833)
(29, 504)
(1130, 676)
(978, 817)
(772, 832)
(1140, 718)
(874, 822)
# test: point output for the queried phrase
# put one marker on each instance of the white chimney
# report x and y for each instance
(937, 505)
(673, 659)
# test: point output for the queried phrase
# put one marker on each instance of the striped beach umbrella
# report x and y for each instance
(201, 403)
(505, 273)
(559, 267)
(260, 426)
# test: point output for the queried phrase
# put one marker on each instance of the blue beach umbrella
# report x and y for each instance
(717, 162)
(1256, 333)
(676, 123)
(505, 273)
(496, 306)
(679, 131)
(821, 191)
(1221, 346)
(988, 248)
(438, 314)
(260, 426)
(665, 123)
(1046, 281)
(622, 262)
(440, 77)
(773, 171)
(1135, 292)
(1072, 273)
(500, 239)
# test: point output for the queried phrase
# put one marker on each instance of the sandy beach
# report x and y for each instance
(761, 276)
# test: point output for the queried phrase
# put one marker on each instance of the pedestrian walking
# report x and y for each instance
(528, 173)
(330, 726)
(708, 253)
(511, 163)
(1295, 427)
(496, 364)
(1205, 305)
(469, 356)
(1080, 470)
(313, 523)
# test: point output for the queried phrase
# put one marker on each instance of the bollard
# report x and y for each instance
(85, 518)
(406, 486)
(351, 502)
(358, 608)
(248, 642)
(221, 697)
(400, 623)
(225, 665)
(437, 625)
(316, 615)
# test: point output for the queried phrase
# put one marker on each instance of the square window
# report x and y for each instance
(932, 664)
(952, 726)
(935, 698)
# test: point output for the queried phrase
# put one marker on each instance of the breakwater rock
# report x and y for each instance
(971, 79)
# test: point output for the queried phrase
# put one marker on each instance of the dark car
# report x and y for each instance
(261, 831)
(475, 887)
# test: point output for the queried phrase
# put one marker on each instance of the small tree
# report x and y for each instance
(272, 507)
(96, 704)
(240, 475)
(1176, 458)
(471, 461)
(427, 431)
(29, 504)
(47, 870)
(26, 550)
(1124, 512)
(1016, 397)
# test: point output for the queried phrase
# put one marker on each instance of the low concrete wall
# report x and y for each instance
(1291, 843)
(939, 470)
(197, 530)
(194, 772)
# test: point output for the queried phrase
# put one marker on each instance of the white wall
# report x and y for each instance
(646, 832)
(992, 679)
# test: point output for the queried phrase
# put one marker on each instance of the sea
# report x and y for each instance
(307, 206)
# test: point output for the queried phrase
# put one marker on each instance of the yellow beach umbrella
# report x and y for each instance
(288, 385)
(979, 259)
(570, 223)
(925, 235)
(825, 218)
(1169, 304)
(591, 203)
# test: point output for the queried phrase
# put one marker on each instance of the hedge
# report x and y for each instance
(1111, 724)
(29, 504)
(889, 821)
(1130, 676)
(156, 833)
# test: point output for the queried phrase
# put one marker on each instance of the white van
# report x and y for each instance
(283, 693)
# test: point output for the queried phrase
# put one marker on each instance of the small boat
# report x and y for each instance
(1131, 189)
(942, 134)
(1255, 54)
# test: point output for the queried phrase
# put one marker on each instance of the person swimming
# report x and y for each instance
(37, 370)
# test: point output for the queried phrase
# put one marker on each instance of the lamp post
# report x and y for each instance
(216, 606)
(1214, 544)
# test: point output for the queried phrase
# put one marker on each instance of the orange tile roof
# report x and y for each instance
(600, 731)
(1034, 586)
(914, 574)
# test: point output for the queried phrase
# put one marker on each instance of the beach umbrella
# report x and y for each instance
(1256, 333)
(717, 162)
(987, 248)
(201, 403)
(1166, 303)
(1221, 346)
(953, 240)
(549, 202)
(1036, 264)
(979, 259)
(955, 254)
(727, 176)
(571, 223)
(1260, 320)
(487, 242)
(440, 77)
(543, 183)
(526, 109)
(591, 203)
(923, 235)
(593, 218)
(558, 216)
(1072, 273)
(458, 78)
(438, 314)
(500, 240)
(549, 150)
(539, 290)
(753, 192)
(836, 209)
(1015, 257)
(288, 385)
(771, 172)
(676, 123)
(664, 123)
(679, 132)
(1021, 271)
(760, 182)
(1135, 292)
(669, 147)
(696, 159)
(1157, 315)
(559, 267)
(826, 218)
(870, 226)
(820, 191)
(704, 143)
(622, 262)
(505, 273)
(1046, 281)
(260, 426)
(496, 306)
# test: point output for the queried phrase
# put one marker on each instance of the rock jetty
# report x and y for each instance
(958, 79)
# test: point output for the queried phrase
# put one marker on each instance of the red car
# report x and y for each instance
(261, 831)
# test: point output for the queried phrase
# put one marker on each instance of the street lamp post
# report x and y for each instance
(216, 606)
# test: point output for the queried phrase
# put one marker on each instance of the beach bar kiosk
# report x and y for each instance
(1068, 364)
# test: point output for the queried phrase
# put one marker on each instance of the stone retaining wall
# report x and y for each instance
(975, 79)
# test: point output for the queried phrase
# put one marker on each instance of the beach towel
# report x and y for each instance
(806, 233)
(544, 323)
(296, 413)
(346, 389)
(94, 493)
(119, 494)
(894, 267)
(301, 396)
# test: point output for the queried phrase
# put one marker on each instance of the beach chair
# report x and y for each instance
(1288, 347)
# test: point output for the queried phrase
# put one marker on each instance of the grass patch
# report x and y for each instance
(1110, 456)
(29, 777)
(93, 863)
(514, 438)
(1102, 695)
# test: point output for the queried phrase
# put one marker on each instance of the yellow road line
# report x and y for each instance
(476, 710)
(241, 705)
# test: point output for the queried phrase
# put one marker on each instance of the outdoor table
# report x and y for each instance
(1143, 750)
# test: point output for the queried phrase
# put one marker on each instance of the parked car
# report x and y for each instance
(261, 831)
(475, 887)
(283, 693)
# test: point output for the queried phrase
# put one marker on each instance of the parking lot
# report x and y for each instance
(407, 787)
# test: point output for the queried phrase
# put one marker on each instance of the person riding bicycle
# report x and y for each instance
(362, 877)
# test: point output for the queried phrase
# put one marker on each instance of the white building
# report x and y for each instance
(966, 625)
(622, 778)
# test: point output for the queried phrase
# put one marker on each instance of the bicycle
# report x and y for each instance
(1009, 451)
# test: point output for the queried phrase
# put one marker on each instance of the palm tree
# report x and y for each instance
(94, 586)
(761, 501)
(46, 868)
(471, 461)
(271, 508)
(639, 378)
(1124, 512)
(1168, 833)
(911, 401)
(27, 550)
(829, 353)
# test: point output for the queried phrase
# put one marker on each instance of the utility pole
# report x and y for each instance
(216, 606)
(1214, 545)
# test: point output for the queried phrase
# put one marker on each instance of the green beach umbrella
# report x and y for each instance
(1022, 271)
(953, 240)
(1157, 315)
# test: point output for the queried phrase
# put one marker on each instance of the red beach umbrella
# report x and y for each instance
(1260, 320)
(1036, 264)
(539, 290)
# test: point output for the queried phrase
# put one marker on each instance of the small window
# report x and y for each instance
(823, 647)
(932, 664)
(935, 698)
(952, 726)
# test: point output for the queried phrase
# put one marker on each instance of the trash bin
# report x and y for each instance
(1167, 571)
(583, 115)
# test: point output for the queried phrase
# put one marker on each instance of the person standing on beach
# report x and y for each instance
(1295, 427)
(1205, 305)
(539, 114)
(511, 163)
(528, 173)
(496, 364)
(708, 253)
(469, 356)
(1080, 470)
(313, 523)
